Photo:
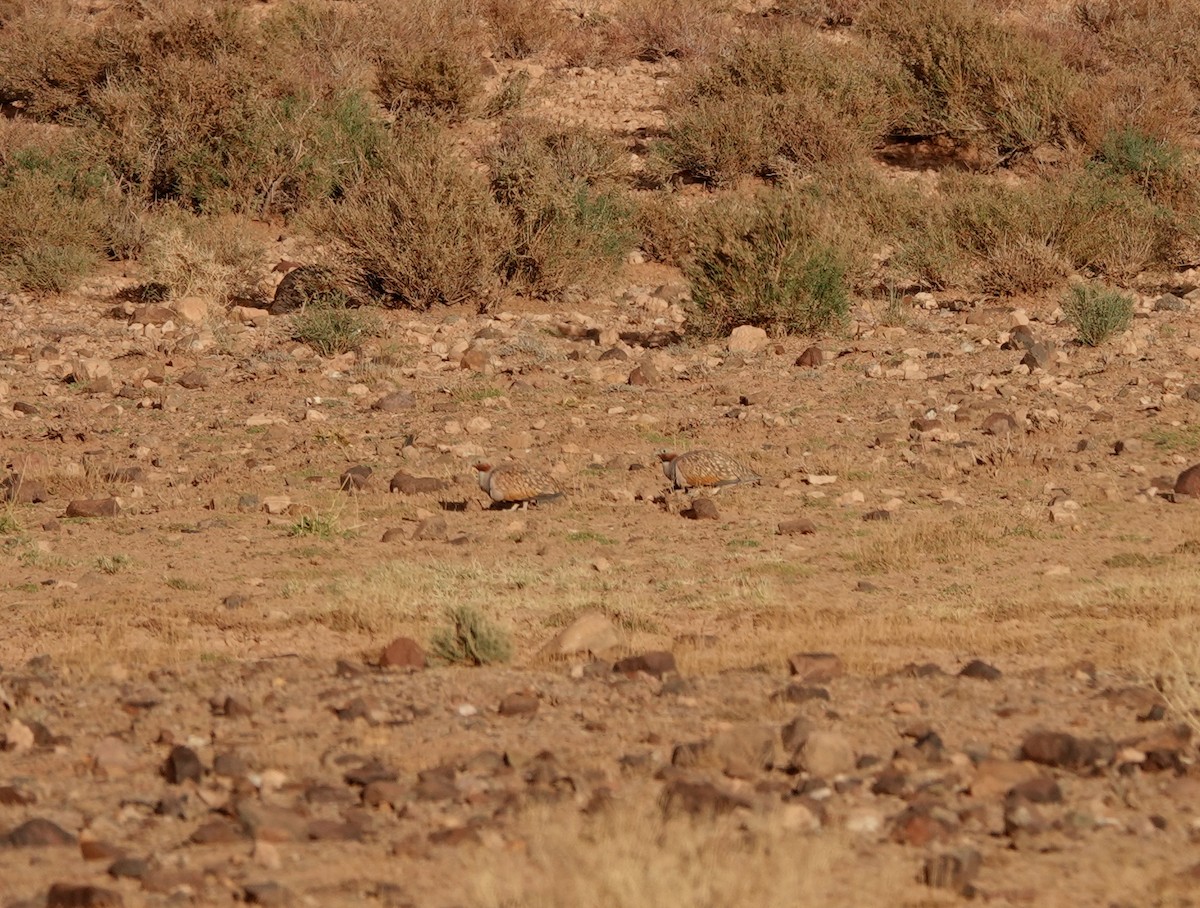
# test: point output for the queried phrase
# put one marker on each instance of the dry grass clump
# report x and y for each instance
(202, 256)
(424, 229)
(562, 189)
(631, 856)
(779, 99)
(202, 105)
(765, 263)
(682, 29)
(522, 28)
(972, 75)
(331, 324)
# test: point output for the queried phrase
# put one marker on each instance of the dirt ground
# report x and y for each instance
(192, 704)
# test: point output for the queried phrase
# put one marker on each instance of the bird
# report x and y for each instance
(517, 485)
(705, 468)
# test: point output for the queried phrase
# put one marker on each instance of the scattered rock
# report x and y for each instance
(825, 754)
(1188, 483)
(797, 526)
(522, 703)
(1039, 356)
(592, 632)
(815, 668)
(94, 507)
(39, 833)
(699, 799)
(432, 529)
(20, 490)
(1063, 750)
(65, 895)
(395, 402)
(182, 765)
(702, 509)
(355, 479)
(195, 380)
(657, 663)
(1169, 302)
(269, 894)
(999, 424)
(980, 671)
(747, 340)
(407, 484)
(811, 358)
(644, 375)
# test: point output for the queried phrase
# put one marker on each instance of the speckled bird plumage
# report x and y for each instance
(707, 469)
(517, 484)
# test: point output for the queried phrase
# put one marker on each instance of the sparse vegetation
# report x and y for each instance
(561, 188)
(319, 525)
(471, 639)
(764, 264)
(113, 564)
(424, 230)
(776, 101)
(1098, 312)
(330, 324)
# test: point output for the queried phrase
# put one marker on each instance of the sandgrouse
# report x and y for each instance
(705, 468)
(516, 484)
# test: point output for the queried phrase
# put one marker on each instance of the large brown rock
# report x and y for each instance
(1188, 483)
(403, 652)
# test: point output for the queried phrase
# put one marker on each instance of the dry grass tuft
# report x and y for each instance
(629, 856)
(196, 256)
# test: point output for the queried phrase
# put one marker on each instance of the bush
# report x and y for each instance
(331, 324)
(521, 28)
(56, 219)
(217, 135)
(972, 75)
(471, 639)
(764, 264)
(657, 29)
(1097, 312)
(423, 229)
(779, 99)
(195, 256)
(561, 189)
(1108, 226)
(49, 62)
(427, 56)
(1155, 165)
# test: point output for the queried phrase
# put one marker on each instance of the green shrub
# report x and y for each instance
(1097, 312)
(56, 219)
(764, 264)
(561, 189)
(331, 324)
(971, 75)
(423, 229)
(471, 639)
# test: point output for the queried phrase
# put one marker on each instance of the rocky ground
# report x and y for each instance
(941, 652)
(215, 534)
